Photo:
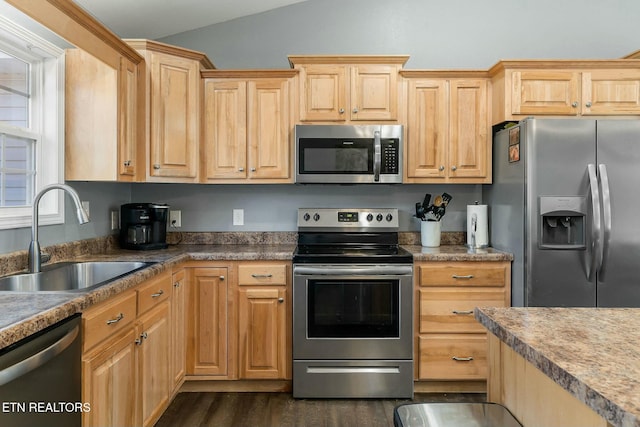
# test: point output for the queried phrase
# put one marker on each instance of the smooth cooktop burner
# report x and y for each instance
(351, 254)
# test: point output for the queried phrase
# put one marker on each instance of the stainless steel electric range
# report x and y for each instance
(352, 306)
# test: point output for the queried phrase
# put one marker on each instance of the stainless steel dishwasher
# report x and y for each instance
(40, 378)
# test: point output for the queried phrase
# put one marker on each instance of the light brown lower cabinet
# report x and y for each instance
(125, 363)
(239, 325)
(450, 345)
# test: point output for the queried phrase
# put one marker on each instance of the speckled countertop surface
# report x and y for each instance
(22, 314)
(593, 353)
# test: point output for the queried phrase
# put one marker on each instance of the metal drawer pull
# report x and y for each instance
(468, 276)
(463, 312)
(280, 300)
(462, 359)
(157, 294)
(143, 336)
(116, 320)
(176, 285)
(221, 277)
(261, 276)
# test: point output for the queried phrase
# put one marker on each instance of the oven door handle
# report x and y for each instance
(360, 270)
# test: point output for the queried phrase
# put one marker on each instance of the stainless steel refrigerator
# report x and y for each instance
(565, 200)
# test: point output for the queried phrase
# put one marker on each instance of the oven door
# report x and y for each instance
(352, 312)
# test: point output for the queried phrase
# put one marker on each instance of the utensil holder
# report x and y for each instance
(430, 233)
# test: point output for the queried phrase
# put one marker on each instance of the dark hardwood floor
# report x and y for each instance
(195, 409)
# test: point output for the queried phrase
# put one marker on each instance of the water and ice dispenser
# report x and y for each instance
(562, 222)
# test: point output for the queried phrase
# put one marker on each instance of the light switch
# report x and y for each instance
(238, 217)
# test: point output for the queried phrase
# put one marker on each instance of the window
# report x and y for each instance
(31, 125)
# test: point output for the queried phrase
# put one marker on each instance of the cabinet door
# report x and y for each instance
(469, 145)
(178, 329)
(269, 120)
(374, 92)
(262, 333)
(128, 123)
(613, 92)
(225, 129)
(109, 383)
(155, 337)
(545, 92)
(175, 105)
(427, 131)
(323, 93)
(207, 350)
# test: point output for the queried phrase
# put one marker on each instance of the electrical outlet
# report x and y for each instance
(115, 220)
(238, 217)
(85, 206)
(175, 219)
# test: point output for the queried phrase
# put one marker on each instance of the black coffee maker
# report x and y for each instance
(143, 226)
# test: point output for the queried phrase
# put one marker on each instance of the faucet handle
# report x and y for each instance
(45, 257)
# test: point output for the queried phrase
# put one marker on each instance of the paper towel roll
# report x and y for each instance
(477, 226)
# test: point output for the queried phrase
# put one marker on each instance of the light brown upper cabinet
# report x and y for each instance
(565, 88)
(102, 140)
(348, 88)
(173, 103)
(248, 126)
(448, 127)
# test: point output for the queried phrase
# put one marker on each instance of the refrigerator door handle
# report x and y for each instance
(606, 219)
(595, 251)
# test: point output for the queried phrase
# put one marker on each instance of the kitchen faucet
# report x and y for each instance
(34, 257)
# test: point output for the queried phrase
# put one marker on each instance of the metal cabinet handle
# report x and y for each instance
(261, 276)
(462, 359)
(454, 168)
(127, 162)
(468, 276)
(574, 104)
(355, 110)
(157, 294)
(588, 104)
(462, 312)
(35, 361)
(240, 169)
(116, 320)
(176, 285)
(143, 336)
(253, 169)
(221, 277)
(341, 111)
(156, 166)
(441, 168)
(280, 300)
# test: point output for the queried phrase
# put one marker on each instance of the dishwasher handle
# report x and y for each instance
(35, 361)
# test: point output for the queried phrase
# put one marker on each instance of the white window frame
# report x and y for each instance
(47, 121)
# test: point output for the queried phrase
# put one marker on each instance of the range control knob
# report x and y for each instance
(379, 217)
(389, 217)
(306, 217)
(370, 217)
(316, 217)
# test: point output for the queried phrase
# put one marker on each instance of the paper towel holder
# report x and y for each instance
(472, 235)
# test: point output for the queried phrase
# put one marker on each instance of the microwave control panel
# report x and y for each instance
(389, 162)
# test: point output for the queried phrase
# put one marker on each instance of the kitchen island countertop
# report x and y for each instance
(22, 314)
(593, 353)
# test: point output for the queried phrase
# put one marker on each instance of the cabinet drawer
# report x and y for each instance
(150, 294)
(463, 274)
(100, 322)
(262, 274)
(453, 357)
(451, 309)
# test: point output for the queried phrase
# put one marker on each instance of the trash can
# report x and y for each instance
(453, 415)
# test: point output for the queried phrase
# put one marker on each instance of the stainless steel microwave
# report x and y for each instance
(349, 154)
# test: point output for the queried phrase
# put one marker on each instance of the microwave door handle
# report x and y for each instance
(377, 155)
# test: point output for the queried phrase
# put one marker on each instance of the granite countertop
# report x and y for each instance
(593, 353)
(22, 314)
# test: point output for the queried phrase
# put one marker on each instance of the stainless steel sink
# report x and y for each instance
(70, 276)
